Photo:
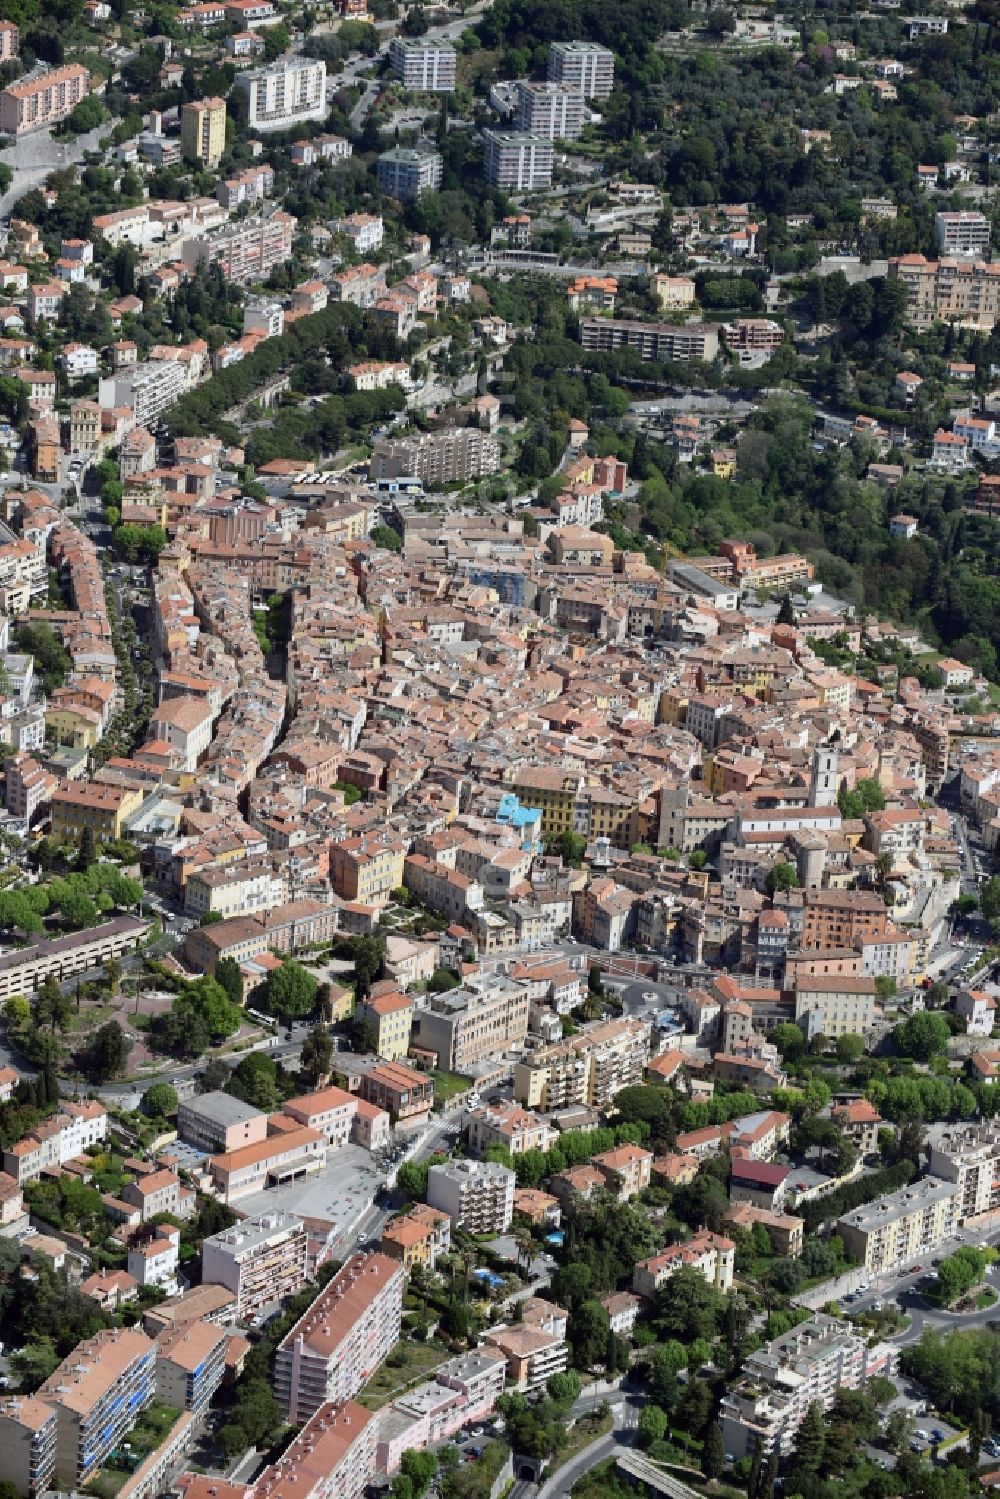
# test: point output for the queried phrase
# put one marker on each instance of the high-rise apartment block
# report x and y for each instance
(663, 342)
(550, 109)
(260, 1260)
(9, 40)
(27, 1444)
(98, 1394)
(518, 160)
(333, 1457)
(436, 458)
(425, 66)
(475, 1023)
(952, 290)
(969, 1156)
(42, 99)
(148, 388)
(588, 1068)
(190, 1364)
(406, 172)
(897, 1228)
(477, 1195)
(284, 94)
(585, 66)
(245, 250)
(203, 131)
(964, 233)
(781, 1380)
(337, 1345)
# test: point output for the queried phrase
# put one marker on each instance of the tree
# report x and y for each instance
(229, 977)
(216, 1074)
(786, 614)
(160, 1100)
(923, 1036)
(989, 900)
(807, 1451)
(17, 1011)
(291, 991)
(781, 876)
(695, 1407)
(849, 1049)
(87, 852)
(441, 980)
(652, 1426)
(387, 537)
(570, 847)
(713, 1453)
(317, 1054)
(255, 1080)
(107, 1053)
(113, 974)
(51, 1007)
(687, 1307)
(571, 1284)
(588, 1333)
(564, 1388)
(411, 1179)
(958, 1273)
(789, 1040)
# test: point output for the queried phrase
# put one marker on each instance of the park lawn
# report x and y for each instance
(419, 1360)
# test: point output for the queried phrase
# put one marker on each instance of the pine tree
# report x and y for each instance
(713, 1453)
(88, 849)
(807, 1453)
(753, 1480)
(786, 614)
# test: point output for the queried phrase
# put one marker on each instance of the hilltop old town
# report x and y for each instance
(499, 749)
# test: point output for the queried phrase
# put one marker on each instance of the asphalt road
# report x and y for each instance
(36, 155)
(562, 1480)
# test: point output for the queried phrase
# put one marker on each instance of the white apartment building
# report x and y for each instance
(969, 1155)
(964, 233)
(284, 94)
(366, 231)
(928, 26)
(236, 889)
(147, 388)
(54, 1141)
(425, 66)
(517, 160)
(585, 66)
(261, 1260)
(781, 1380)
(263, 315)
(337, 1345)
(477, 1195)
(550, 109)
